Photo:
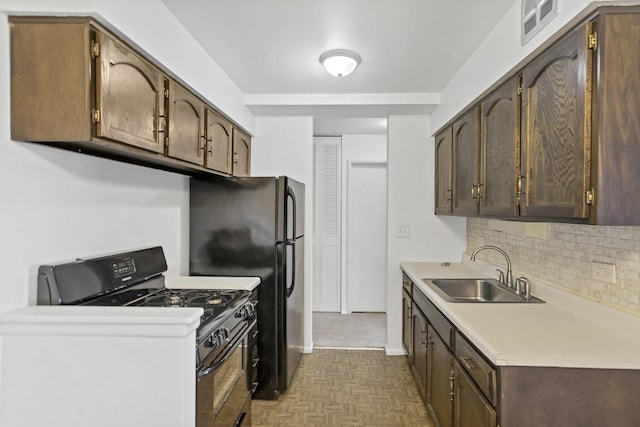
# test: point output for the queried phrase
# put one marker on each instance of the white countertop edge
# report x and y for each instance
(212, 282)
(600, 317)
(101, 321)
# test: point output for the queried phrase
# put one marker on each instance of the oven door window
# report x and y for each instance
(218, 389)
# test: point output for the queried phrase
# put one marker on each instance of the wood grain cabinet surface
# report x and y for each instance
(563, 149)
(130, 105)
(407, 322)
(241, 153)
(556, 107)
(219, 143)
(466, 150)
(76, 85)
(187, 139)
(444, 172)
(419, 353)
(499, 151)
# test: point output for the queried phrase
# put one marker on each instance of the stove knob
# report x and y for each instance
(212, 340)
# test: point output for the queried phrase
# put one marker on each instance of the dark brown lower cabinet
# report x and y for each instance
(439, 387)
(419, 363)
(470, 408)
(465, 389)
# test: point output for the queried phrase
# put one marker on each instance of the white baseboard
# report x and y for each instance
(394, 351)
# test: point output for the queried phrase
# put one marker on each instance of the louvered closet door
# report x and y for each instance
(326, 224)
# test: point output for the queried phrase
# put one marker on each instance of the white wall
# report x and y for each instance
(497, 54)
(355, 148)
(411, 157)
(57, 205)
(284, 146)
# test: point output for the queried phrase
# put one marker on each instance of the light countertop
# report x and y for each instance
(100, 321)
(212, 282)
(566, 331)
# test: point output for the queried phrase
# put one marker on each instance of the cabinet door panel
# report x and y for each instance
(500, 150)
(186, 125)
(466, 147)
(407, 325)
(439, 398)
(444, 164)
(419, 364)
(556, 129)
(219, 143)
(241, 153)
(471, 409)
(130, 95)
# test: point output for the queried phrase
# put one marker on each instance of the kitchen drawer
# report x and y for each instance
(440, 323)
(482, 372)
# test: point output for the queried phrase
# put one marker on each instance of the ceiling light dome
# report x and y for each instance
(340, 62)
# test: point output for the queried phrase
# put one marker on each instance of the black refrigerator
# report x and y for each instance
(255, 227)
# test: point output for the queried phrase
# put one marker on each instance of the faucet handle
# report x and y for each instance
(523, 285)
(501, 276)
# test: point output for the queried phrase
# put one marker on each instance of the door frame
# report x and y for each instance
(345, 289)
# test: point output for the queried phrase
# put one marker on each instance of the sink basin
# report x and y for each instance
(476, 291)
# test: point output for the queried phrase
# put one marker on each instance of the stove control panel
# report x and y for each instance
(123, 267)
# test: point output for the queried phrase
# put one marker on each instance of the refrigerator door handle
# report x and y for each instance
(292, 244)
(291, 194)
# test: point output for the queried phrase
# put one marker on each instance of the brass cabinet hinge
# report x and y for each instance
(590, 196)
(592, 41)
(166, 93)
(95, 49)
(519, 88)
(96, 116)
(520, 190)
(166, 141)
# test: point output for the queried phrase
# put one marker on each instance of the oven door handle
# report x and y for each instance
(226, 355)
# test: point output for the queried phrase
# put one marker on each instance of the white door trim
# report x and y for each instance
(346, 293)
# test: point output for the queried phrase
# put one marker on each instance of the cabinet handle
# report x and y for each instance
(465, 362)
(203, 145)
(478, 193)
(235, 158)
(449, 191)
(452, 378)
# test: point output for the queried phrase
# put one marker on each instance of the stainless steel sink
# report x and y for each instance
(476, 291)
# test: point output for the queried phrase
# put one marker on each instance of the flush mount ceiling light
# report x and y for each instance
(340, 62)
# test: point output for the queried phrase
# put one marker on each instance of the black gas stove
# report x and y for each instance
(135, 278)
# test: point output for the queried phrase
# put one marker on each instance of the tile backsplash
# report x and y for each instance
(564, 258)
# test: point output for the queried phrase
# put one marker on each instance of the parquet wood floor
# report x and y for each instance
(346, 388)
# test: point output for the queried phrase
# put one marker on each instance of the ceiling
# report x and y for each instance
(271, 50)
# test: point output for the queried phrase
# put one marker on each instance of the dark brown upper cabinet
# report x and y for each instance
(187, 140)
(219, 143)
(578, 118)
(444, 172)
(76, 85)
(500, 151)
(556, 123)
(466, 149)
(241, 153)
(615, 175)
(129, 96)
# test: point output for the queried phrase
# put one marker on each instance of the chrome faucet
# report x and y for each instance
(509, 278)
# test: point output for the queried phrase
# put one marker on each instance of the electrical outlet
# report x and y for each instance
(603, 272)
(403, 231)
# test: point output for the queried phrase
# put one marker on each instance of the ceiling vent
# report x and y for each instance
(535, 15)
